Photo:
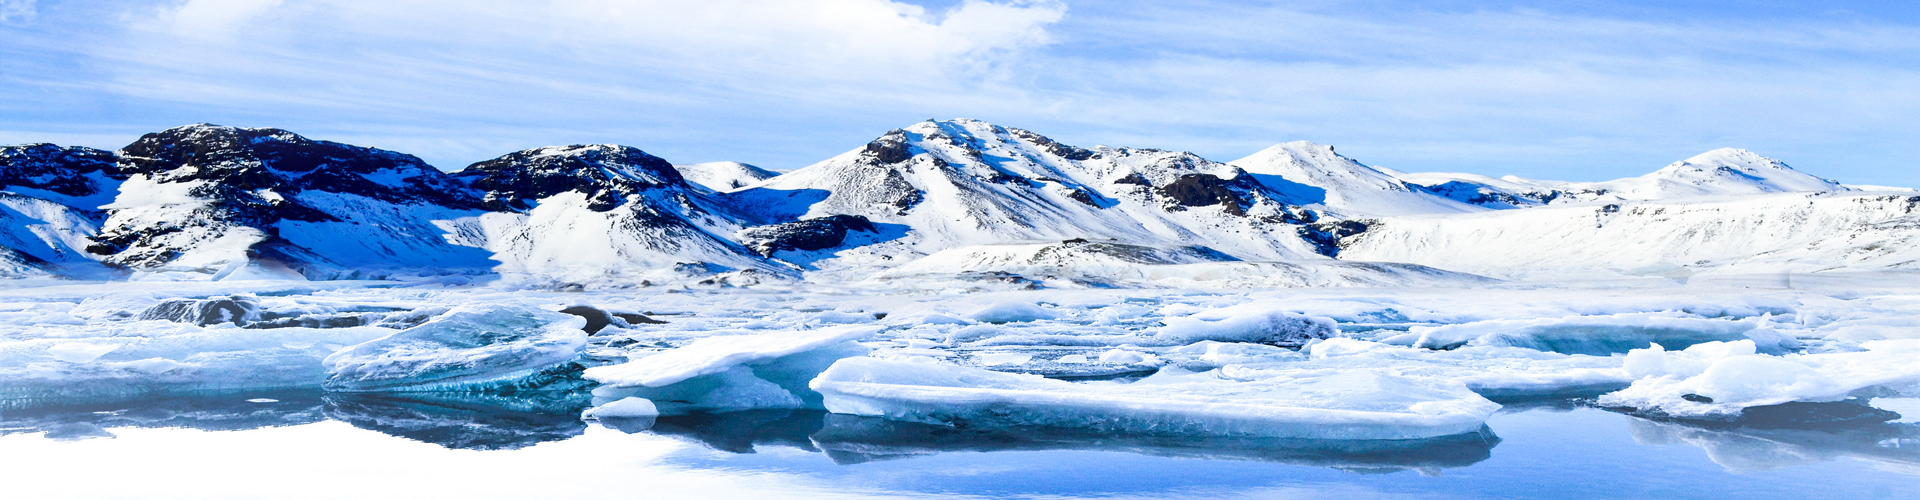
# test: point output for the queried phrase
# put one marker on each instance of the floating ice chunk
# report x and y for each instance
(1602, 335)
(717, 354)
(1362, 404)
(263, 400)
(1228, 353)
(1255, 323)
(468, 347)
(623, 408)
(1005, 358)
(1124, 357)
(1072, 359)
(80, 352)
(839, 318)
(239, 310)
(1721, 380)
(735, 372)
(1013, 312)
(1496, 372)
(114, 306)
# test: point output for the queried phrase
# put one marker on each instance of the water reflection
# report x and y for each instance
(508, 422)
(464, 421)
(1752, 449)
(213, 413)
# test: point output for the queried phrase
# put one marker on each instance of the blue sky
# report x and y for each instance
(1569, 90)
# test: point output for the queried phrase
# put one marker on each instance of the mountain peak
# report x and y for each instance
(1736, 171)
(605, 173)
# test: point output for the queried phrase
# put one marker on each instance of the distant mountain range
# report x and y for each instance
(951, 200)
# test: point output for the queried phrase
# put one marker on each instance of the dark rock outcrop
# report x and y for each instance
(811, 234)
(606, 174)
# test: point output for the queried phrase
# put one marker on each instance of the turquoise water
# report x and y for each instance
(306, 445)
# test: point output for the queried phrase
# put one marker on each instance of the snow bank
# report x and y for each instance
(735, 372)
(469, 347)
(1362, 404)
(1720, 380)
(1602, 334)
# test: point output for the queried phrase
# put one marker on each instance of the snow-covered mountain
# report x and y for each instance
(724, 176)
(209, 199)
(1721, 172)
(966, 182)
(1313, 175)
(49, 208)
(955, 199)
(576, 214)
(1771, 233)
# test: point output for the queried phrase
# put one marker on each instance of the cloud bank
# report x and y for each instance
(1493, 89)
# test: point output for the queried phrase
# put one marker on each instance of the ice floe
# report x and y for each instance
(468, 347)
(1362, 404)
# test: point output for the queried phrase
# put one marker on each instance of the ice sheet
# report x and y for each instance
(1360, 404)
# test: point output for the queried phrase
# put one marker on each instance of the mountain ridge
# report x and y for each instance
(207, 202)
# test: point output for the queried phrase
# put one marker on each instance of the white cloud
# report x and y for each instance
(17, 11)
(220, 19)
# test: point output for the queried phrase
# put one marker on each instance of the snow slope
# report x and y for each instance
(1721, 172)
(1313, 175)
(583, 214)
(966, 182)
(724, 176)
(1788, 232)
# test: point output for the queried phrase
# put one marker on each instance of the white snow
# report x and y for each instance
(1315, 176)
(724, 176)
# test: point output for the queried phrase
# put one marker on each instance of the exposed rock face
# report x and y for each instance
(890, 148)
(606, 174)
(1205, 190)
(811, 234)
(71, 173)
(236, 161)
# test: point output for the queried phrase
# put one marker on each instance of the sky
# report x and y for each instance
(1546, 89)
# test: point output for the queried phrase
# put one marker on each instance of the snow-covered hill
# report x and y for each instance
(1313, 175)
(201, 199)
(724, 176)
(1721, 172)
(1786, 232)
(585, 214)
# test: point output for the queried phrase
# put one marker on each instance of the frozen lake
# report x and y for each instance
(309, 445)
